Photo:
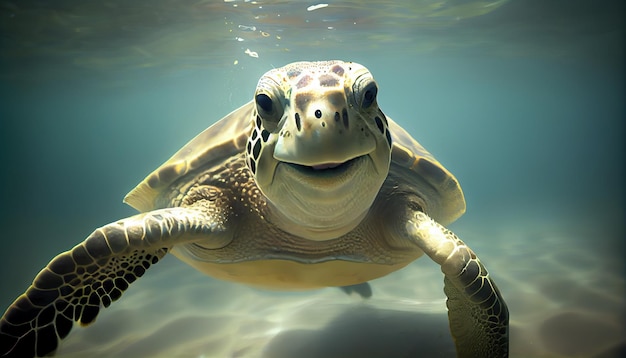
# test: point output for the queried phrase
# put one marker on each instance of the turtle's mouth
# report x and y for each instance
(325, 169)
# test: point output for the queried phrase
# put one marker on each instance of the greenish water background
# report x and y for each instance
(522, 100)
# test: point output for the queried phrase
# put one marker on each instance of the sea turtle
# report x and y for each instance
(308, 185)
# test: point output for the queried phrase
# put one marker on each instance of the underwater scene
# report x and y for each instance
(522, 100)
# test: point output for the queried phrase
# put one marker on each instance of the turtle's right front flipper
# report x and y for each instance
(478, 315)
(76, 283)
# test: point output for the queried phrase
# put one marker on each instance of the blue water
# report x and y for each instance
(522, 101)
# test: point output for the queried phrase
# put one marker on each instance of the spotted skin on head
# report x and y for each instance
(319, 116)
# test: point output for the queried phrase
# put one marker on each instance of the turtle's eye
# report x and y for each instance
(269, 109)
(369, 95)
(264, 102)
(364, 91)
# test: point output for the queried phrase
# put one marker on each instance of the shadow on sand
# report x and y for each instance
(368, 332)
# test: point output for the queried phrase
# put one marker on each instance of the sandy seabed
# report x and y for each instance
(565, 296)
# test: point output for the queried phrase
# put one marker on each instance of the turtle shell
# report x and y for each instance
(411, 164)
(415, 166)
(223, 139)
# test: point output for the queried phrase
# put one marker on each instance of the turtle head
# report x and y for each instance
(320, 147)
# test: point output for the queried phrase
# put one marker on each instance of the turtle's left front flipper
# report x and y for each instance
(479, 317)
(76, 283)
